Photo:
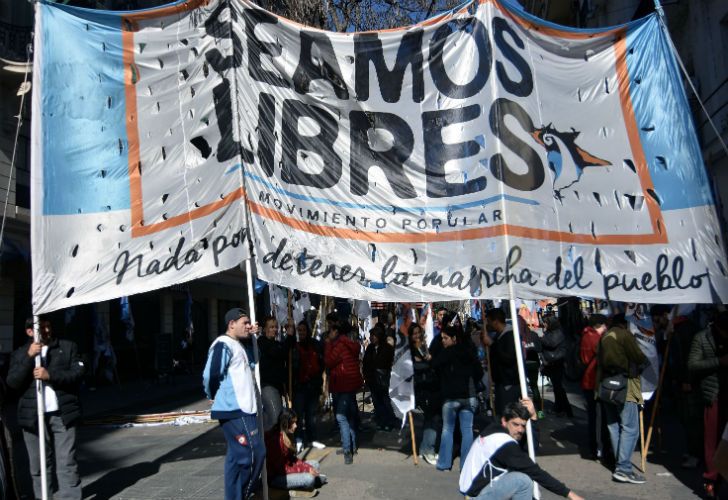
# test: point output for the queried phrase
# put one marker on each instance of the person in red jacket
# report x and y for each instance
(285, 470)
(588, 353)
(341, 356)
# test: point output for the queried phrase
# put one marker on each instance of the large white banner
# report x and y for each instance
(481, 151)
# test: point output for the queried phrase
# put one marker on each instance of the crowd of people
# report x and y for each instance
(470, 368)
(466, 387)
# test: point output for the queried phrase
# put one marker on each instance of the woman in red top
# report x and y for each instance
(341, 356)
(285, 470)
(588, 353)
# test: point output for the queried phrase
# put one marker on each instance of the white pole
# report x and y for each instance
(522, 380)
(40, 399)
(256, 358)
(516, 330)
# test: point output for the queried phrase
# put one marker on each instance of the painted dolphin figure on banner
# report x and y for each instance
(405, 165)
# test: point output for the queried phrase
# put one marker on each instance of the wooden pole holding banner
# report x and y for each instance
(256, 358)
(491, 393)
(40, 399)
(643, 453)
(415, 458)
(658, 392)
(290, 351)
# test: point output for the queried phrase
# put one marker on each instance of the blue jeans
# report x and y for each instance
(298, 481)
(623, 425)
(463, 410)
(430, 426)
(346, 416)
(513, 485)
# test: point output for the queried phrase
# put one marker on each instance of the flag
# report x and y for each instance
(363, 311)
(68, 315)
(475, 310)
(640, 324)
(259, 286)
(401, 385)
(429, 324)
(104, 355)
(278, 302)
(127, 318)
(189, 325)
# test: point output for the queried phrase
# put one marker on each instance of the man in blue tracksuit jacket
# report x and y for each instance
(230, 384)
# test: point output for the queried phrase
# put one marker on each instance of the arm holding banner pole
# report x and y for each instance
(40, 399)
(259, 402)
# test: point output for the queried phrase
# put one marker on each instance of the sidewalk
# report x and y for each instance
(133, 398)
(144, 396)
(166, 462)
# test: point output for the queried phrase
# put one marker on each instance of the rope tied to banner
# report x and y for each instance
(663, 25)
(22, 90)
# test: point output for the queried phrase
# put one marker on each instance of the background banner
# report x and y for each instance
(448, 160)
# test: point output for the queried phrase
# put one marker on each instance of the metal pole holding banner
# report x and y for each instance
(517, 335)
(256, 358)
(290, 351)
(40, 399)
(522, 381)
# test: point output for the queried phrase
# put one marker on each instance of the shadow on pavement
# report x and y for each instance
(119, 479)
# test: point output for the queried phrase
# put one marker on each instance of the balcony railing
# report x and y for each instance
(14, 41)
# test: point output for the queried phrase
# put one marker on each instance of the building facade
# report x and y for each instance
(162, 342)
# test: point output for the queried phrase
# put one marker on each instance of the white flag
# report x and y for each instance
(401, 385)
(429, 325)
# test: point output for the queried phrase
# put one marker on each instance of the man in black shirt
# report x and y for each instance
(498, 468)
(503, 360)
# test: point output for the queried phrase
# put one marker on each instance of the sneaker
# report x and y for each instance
(709, 489)
(430, 458)
(631, 477)
(302, 493)
(318, 445)
(348, 458)
(689, 462)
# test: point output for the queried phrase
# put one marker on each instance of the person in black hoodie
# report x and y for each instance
(497, 467)
(503, 359)
(273, 371)
(459, 371)
(554, 354)
(61, 371)
(377, 369)
(427, 392)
